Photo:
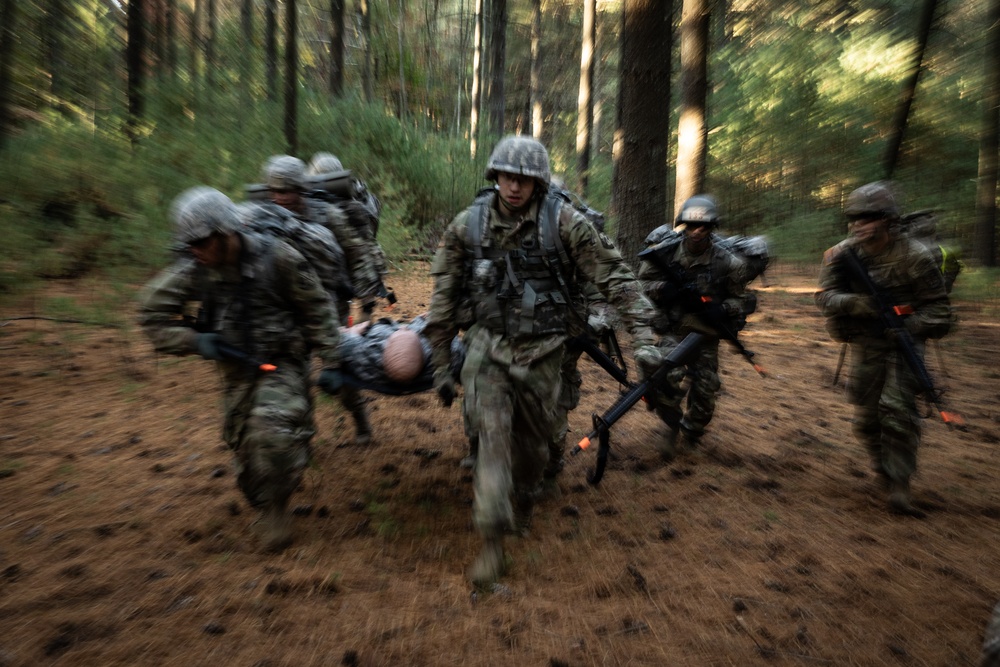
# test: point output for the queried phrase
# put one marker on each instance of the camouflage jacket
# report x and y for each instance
(593, 258)
(904, 270)
(360, 247)
(272, 304)
(716, 273)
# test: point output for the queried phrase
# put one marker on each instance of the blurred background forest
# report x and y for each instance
(109, 109)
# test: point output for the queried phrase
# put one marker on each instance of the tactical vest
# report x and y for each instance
(519, 292)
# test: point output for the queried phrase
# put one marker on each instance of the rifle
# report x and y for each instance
(608, 362)
(386, 294)
(892, 319)
(679, 356)
(198, 323)
(609, 341)
(700, 305)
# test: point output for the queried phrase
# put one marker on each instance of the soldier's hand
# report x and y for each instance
(861, 305)
(648, 358)
(599, 323)
(208, 346)
(330, 380)
(662, 293)
(444, 385)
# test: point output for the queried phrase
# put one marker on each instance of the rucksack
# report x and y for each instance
(351, 194)
(315, 242)
(753, 250)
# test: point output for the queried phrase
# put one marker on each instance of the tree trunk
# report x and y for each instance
(989, 143)
(8, 20)
(535, 94)
(639, 197)
(133, 58)
(477, 79)
(271, 47)
(585, 101)
(402, 71)
(898, 128)
(195, 49)
(210, 45)
(692, 128)
(366, 31)
(336, 48)
(53, 33)
(291, 76)
(171, 38)
(248, 57)
(497, 57)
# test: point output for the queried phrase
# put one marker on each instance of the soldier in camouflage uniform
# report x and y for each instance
(285, 178)
(714, 273)
(259, 294)
(882, 387)
(513, 257)
(356, 235)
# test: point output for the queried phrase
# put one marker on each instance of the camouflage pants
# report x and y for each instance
(569, 398)
(268, 426)
(883, 390)
(513, 407)
(705, 384)
(349, 397)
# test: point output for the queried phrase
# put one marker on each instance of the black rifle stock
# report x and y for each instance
(236, 354)
(679, 356)
(701, 306)
(609, 363)
(891, 317)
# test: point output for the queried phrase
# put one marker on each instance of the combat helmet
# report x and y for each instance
(516, 154)
(700, 209)
(200, 212)
(874, 200)
(284, 172)
(324, 163)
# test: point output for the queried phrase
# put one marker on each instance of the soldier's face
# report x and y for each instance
(869, 229)
(696, 236)
(515, 191)
(290, 199)
(209, 251)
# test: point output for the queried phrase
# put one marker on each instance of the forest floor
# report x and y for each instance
(123, 539)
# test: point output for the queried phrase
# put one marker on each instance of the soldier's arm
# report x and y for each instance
(161, 309)
(448, 271)
(361, 263)
(599, 261)
(305, 293)
(833, 297)
(932, 317)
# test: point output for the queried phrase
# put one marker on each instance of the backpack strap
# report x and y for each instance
(479, 214)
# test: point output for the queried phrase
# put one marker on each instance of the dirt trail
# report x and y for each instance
(123, 540)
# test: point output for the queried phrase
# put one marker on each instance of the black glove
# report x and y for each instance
(444, 385)
(208, 346)
(330, 380)
(663, 293)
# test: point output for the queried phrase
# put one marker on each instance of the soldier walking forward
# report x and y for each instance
(514, 257)
(260, 297)
(882, 386)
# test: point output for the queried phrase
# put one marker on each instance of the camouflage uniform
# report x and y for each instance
(356, 234)
(716, 273)
(991, 641)
(881, 386)
(273, 306)
(286, 172)
(513, 382)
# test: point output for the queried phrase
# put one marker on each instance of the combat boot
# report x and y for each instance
(901, 501)
(666, 443)
(488, 566)
(524, 508)
(469, 462)
(362, 427)
(275, 527)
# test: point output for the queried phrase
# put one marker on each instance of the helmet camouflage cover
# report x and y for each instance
(873, 199)
(284, 172)
(701, 209)
(324, 163)
(200, 212)
(516, 154)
